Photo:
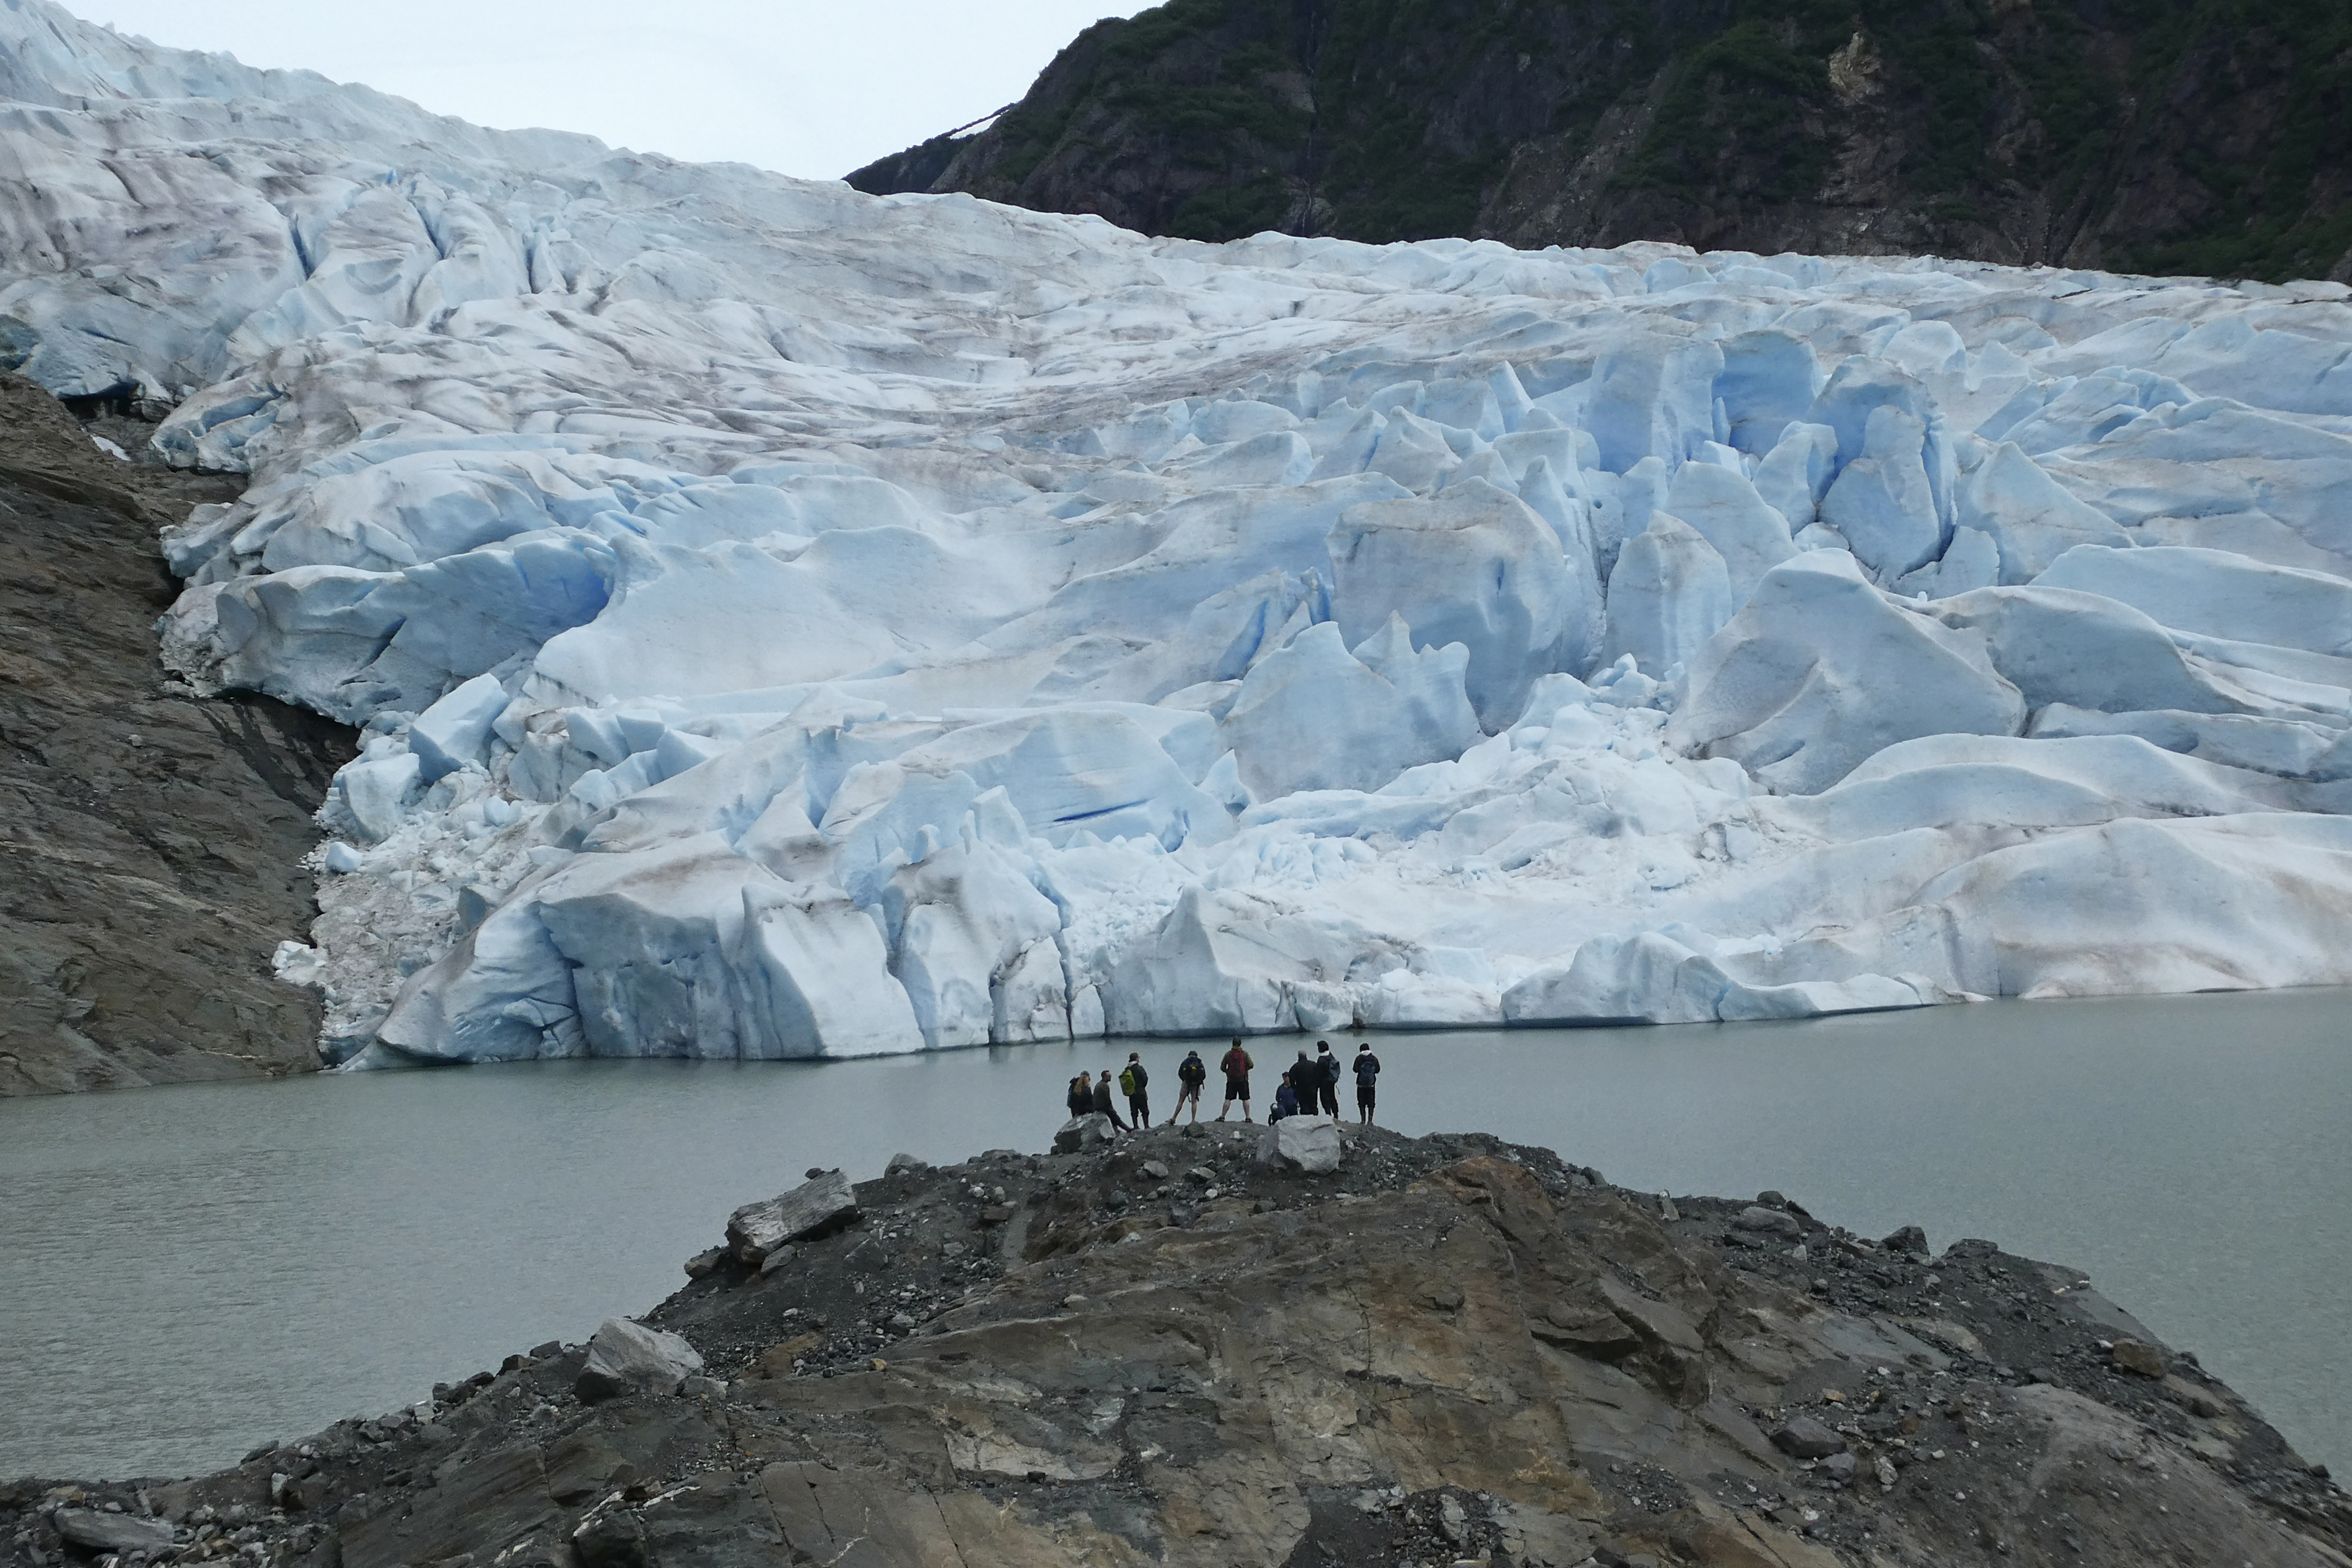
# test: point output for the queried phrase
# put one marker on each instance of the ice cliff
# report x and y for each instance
(791, 622)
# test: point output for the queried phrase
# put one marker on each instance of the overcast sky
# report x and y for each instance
(809, 90)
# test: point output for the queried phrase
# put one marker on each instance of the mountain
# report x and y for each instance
(2162, 136)
(783, 621)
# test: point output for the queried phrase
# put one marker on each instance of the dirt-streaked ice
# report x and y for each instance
(791, 622)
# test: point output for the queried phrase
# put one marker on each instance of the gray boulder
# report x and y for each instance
(95, 1532)
(1803, 1437)
(1302, 1144)
(1769, 1222)
(1082, 1132)
(822, 1203)
(626, 1357)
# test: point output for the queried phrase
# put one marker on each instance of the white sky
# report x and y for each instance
(803, 89)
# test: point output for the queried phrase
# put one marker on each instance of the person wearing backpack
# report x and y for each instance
(1368, 1073)
(1327, 1080)
(1191, 1074)
(1136, 1084)
(1236, 1064)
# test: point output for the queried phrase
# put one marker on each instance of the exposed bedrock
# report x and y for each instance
(1157, 1350)
(150, 860)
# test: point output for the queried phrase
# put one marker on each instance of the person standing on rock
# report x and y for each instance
(1103, 1103)
(1327, 1080)
(1136, 1084)
(1236, 1065)
(1081, 1097)
(1191, 1074)
(1368, 1074)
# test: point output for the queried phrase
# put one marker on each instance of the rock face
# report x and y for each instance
(151, 857)
(1479, 1352)
(2068, 134)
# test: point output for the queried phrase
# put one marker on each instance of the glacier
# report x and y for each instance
(784, 622)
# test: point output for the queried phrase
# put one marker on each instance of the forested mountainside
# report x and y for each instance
(2199, 136)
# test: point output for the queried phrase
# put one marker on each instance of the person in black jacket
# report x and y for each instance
(1191, 1074)
(1327, 1080)
(1081, 1097)
(1368, 1073)
(1103, 1105)
(1136, 1084)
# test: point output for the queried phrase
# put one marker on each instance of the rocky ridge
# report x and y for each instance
(1176, 1348)
(152, 859)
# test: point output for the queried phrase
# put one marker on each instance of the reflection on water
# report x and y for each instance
(186, 1272)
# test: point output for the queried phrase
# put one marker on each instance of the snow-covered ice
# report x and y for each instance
(787, 622)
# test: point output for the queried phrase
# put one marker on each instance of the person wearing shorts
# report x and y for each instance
(1191, 1074)
(1236, 1064)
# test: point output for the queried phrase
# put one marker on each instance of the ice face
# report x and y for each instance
(787, 622)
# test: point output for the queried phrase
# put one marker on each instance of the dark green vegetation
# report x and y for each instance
(2207, 136)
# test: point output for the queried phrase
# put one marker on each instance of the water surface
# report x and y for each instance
(186, 1272)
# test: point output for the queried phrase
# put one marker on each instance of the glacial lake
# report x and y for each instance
(188, 1272)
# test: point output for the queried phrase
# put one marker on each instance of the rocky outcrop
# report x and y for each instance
(1449, 1350)
(150, 859)
(2167, 139)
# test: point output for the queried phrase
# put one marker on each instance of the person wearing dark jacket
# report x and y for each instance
(1191, 1074)
(1136, 1084)
(1286, 1101)
(1327, 1080)
(1081, 1097)
(1368, 1073)
(1103, 1106)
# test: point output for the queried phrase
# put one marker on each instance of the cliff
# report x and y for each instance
(1160, 1349)
(151, 861)
(2197, 136)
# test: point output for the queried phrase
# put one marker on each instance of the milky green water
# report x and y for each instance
(186, 1272)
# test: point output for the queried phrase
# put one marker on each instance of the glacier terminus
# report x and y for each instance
(784, 622)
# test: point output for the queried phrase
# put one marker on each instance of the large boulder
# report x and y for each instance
(818, 1204)
(96, 1531)
(1081, 1132)
(625, 1357)
(1300, 1143)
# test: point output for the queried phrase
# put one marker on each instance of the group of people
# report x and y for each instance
(1310, 1085)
